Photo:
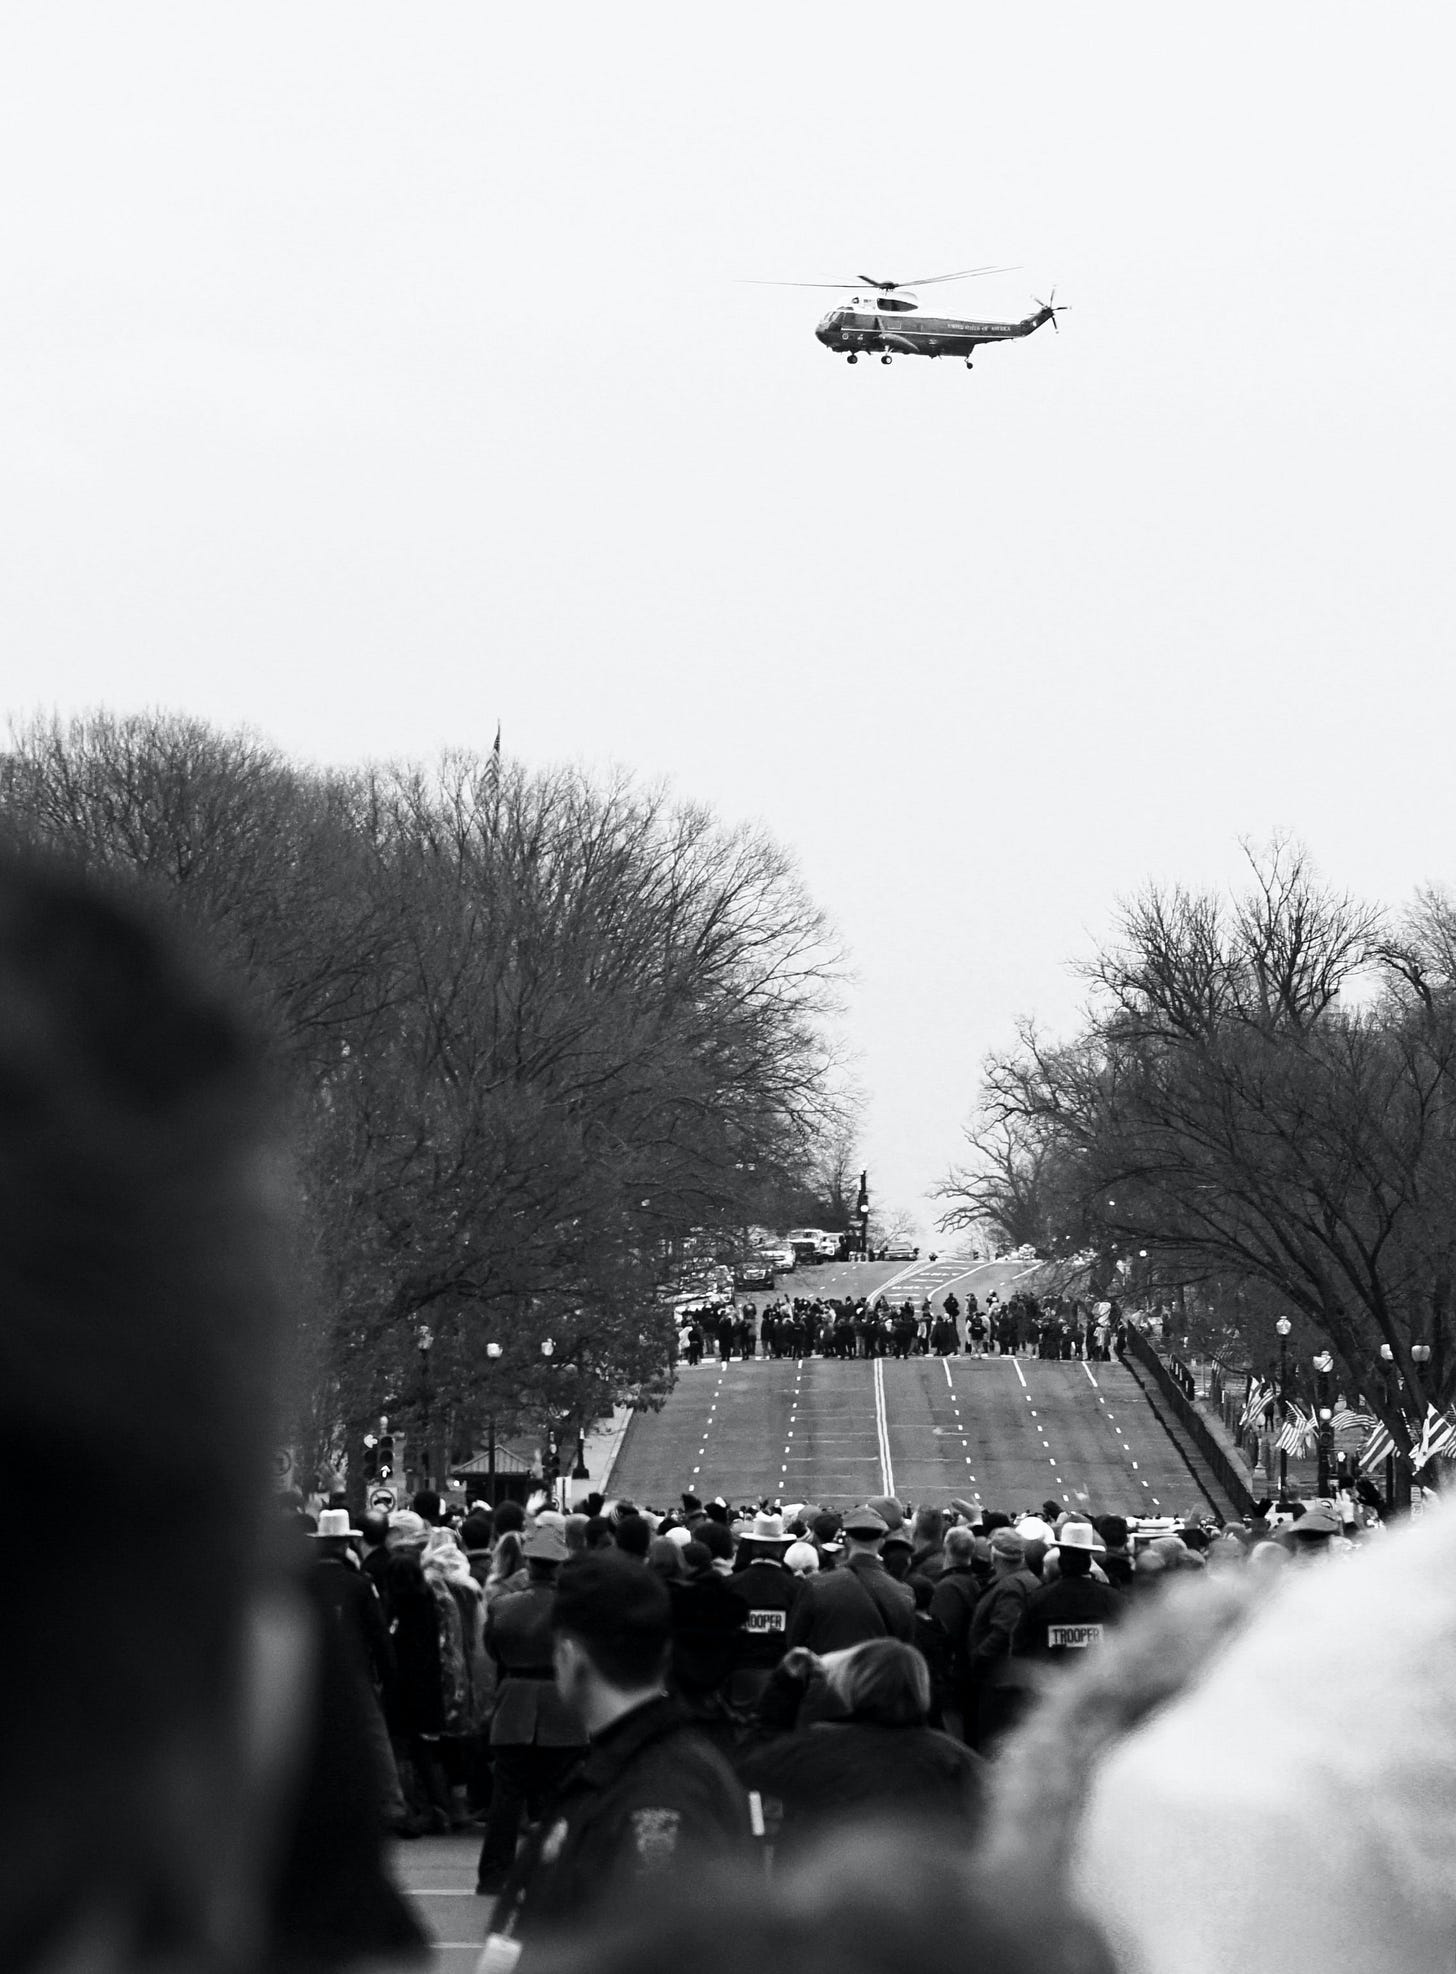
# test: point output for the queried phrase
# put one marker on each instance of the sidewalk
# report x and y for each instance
(601, 1447)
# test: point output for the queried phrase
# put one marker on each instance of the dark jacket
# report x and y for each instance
(952, 1604)
(706, 1621)
(650, 1796)
(528, 1711)
(766, 1594)
(859, 1600)
(838, 1770)
(1063, 1619)
(995, 1618)
(353, 1603)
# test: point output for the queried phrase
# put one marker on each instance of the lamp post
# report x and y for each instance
(492, 1351)
(1283, 1326)
(1421, 1357)
(425, 1343)
(1387, 1364)
(1324, 1363)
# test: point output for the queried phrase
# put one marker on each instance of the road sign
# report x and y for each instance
(383, 1500)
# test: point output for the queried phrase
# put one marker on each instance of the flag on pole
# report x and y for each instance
(1373, 1452)
(1347, 1420)
(1257, 1400)
(1437, 1435)
(1299, 1433)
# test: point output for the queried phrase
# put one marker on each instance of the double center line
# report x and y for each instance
(882, 1430)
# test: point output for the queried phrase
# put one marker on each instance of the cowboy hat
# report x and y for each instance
(333, 1526)
(1078, 1535)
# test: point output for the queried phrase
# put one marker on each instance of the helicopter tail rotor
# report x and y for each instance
(1054, 308)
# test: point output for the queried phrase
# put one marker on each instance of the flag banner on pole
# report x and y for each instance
(1437, 1434)
(1299, 1433)
(1257, 1400)
(1348, 1420)
(1373, 1452)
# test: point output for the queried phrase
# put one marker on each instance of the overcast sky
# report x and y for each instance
(369, 374)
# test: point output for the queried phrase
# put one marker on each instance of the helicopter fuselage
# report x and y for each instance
(892, 326)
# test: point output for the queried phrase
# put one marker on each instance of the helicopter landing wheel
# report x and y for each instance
(887, 359)
(853, 357)
(969, 364)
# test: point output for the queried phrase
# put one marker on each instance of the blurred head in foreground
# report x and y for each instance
(140, 1251)
(1321, 1833)
(872, 1901)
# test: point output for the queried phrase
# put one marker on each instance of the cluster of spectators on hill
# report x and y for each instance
(1075, 1764)
(853, 1326)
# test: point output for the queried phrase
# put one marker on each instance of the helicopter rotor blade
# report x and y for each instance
(966, 274)
(749, 281)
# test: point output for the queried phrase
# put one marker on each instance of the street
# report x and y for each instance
(1000, 1431)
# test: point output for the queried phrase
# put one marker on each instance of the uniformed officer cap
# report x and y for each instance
(606, 1596)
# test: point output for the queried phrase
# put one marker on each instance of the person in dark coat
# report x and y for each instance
(767, 1593)
(857, 1601)
(994, 1691)
(534, 1737)
(706, 1621)
(1068, 1616)
(874, 1757)
(652, 1796)
(957, 1591)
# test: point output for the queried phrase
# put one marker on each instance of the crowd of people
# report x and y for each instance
(854, 1326)
(714, 1737)
(839, 1666)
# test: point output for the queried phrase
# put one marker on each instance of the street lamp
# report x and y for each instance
(1421, 1356)
(425, 1343)
(1283, 1326)
(492, 1351)
(1324, 1363)
(1387, 1371)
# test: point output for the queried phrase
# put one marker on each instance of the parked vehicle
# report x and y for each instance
(754, 1271)
(806, 1243)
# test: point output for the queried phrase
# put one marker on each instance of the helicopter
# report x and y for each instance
(885, 319)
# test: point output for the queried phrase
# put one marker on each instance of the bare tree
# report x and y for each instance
(1234, 1105)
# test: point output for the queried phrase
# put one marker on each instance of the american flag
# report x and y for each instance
(1373, 1452)
(1346, 1420)
(1257, 1400)
(1298, 1433)
(1437, 1435)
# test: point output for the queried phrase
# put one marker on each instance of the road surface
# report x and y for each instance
(1004, 1432)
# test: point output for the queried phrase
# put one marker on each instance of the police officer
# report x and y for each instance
(859, 1600)
(768, 1592)
(651, 1794)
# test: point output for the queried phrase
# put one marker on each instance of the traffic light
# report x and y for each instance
(384, 1466)
(550, 1461)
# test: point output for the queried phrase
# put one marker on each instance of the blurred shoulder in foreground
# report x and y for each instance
(151, 1678)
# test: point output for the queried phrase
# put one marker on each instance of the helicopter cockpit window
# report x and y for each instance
(896, 302)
